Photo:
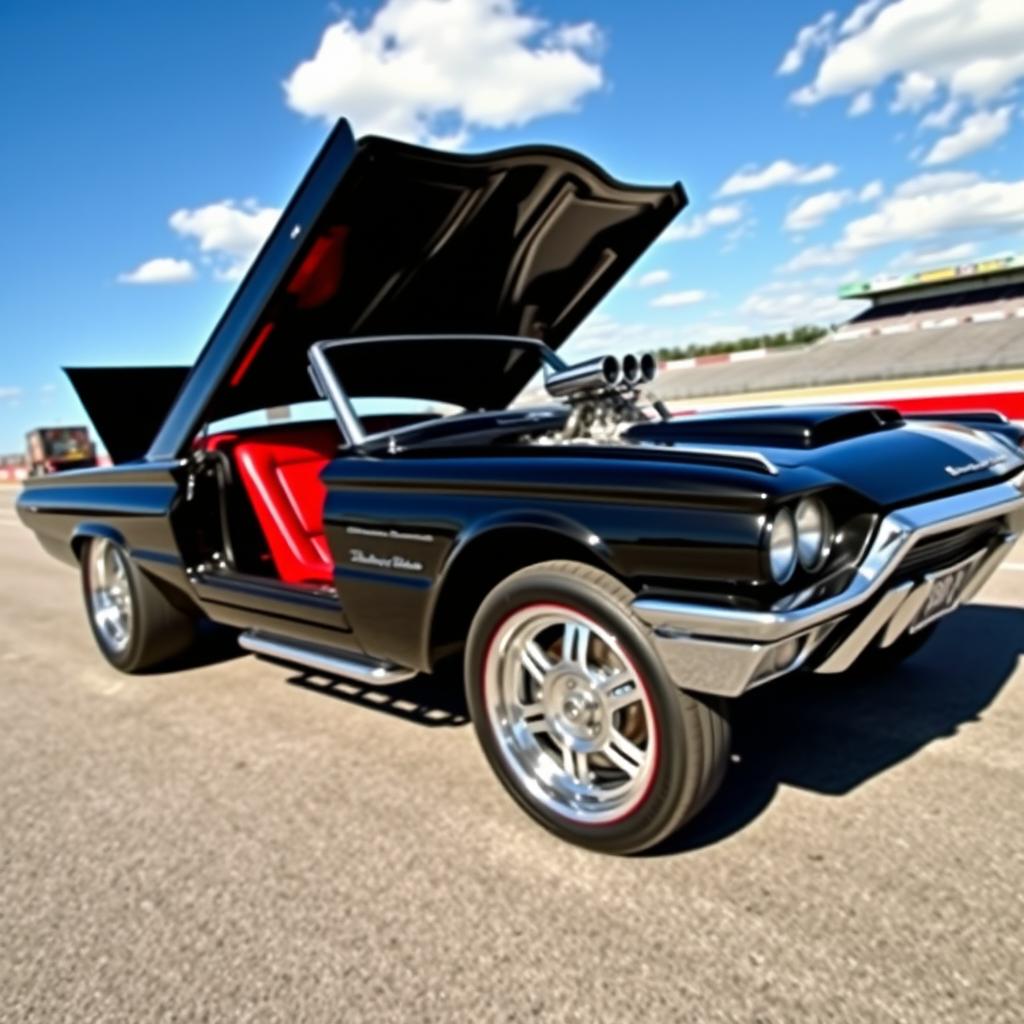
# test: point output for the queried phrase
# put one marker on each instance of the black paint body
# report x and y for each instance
(453, 521)
(421, 524)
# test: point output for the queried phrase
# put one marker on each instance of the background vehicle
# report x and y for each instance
(610, 577)
(54, 449)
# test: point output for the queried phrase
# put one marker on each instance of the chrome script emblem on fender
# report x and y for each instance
(361, 557)
(976, 467)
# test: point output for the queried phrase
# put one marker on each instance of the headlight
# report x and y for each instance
(813, 533)
(782, 555)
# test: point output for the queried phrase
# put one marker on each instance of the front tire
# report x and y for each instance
(577, 717)
(135, 625)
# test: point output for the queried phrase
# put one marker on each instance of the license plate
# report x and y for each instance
(944, 596)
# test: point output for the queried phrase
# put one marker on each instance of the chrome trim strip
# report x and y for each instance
(348, 419)
(866, 630)
(733, 454)
(896, 535)
(989, 566)
(727, 668)
(906, 614)
(333, 663)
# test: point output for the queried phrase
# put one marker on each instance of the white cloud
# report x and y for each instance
(229, 232)
(9, 394)
(582, 35)
(933, 257)
(653, 278)
(433, 71)
(810, 37)
(871, 191)
(701, 223)
(983, 205)
(672, 299)
(861, 104)
(977, 131)
(162, 270)
(816, 256)
(814, 209)
(941, 117)
(935, 181)
(798, 303)
(914, 91)
(781, 172)
(860, 16)
(971, 49)
(929, 206)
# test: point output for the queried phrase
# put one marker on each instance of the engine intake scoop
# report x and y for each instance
(781, 427)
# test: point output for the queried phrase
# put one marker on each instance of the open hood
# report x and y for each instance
(387, 238)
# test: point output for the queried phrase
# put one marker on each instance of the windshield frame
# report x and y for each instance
(330, 387)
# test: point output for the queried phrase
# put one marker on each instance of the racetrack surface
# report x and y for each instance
(243, 841)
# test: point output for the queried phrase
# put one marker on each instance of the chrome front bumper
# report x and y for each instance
(727, 651)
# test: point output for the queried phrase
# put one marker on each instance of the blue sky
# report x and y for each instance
(147, 147)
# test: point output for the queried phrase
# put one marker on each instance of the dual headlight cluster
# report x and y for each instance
(802, 536)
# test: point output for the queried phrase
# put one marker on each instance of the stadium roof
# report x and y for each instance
(950, 274)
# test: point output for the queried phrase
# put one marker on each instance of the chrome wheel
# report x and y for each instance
(110, 596)
(571, 713)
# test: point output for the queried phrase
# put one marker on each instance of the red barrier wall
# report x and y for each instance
(1009, 403)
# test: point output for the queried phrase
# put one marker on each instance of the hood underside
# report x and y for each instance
(387, 238)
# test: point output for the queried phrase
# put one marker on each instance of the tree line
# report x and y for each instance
(797, 336)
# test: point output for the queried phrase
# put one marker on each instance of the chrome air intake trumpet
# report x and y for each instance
(638, 369)
(599, 374)
(603, 394)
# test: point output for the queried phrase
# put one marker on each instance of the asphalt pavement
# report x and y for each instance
(244, 841)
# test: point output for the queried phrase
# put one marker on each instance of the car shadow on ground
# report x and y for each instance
(212, 645)
(830, 734)
(826, 734)
(434, 701)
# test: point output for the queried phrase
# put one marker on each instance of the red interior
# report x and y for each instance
(317, 279)
(280, 470)
(250, 355)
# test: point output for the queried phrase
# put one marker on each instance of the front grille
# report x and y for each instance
(946, 549)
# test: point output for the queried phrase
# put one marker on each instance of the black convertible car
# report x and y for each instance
(612, 577)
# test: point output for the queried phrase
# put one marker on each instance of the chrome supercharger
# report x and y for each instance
(604, 395)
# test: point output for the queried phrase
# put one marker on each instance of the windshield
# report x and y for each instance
(449, 371)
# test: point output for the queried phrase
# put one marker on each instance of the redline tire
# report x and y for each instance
(552, 718)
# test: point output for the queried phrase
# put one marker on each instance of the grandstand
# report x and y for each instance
(948, 321)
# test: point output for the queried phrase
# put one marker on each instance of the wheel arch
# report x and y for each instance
(85, 532)
(488, 554)
(181, 597)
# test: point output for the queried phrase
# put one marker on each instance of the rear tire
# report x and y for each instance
(577, 717)
(135, 624)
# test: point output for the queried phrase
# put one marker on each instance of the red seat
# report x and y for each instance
(280, 469)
